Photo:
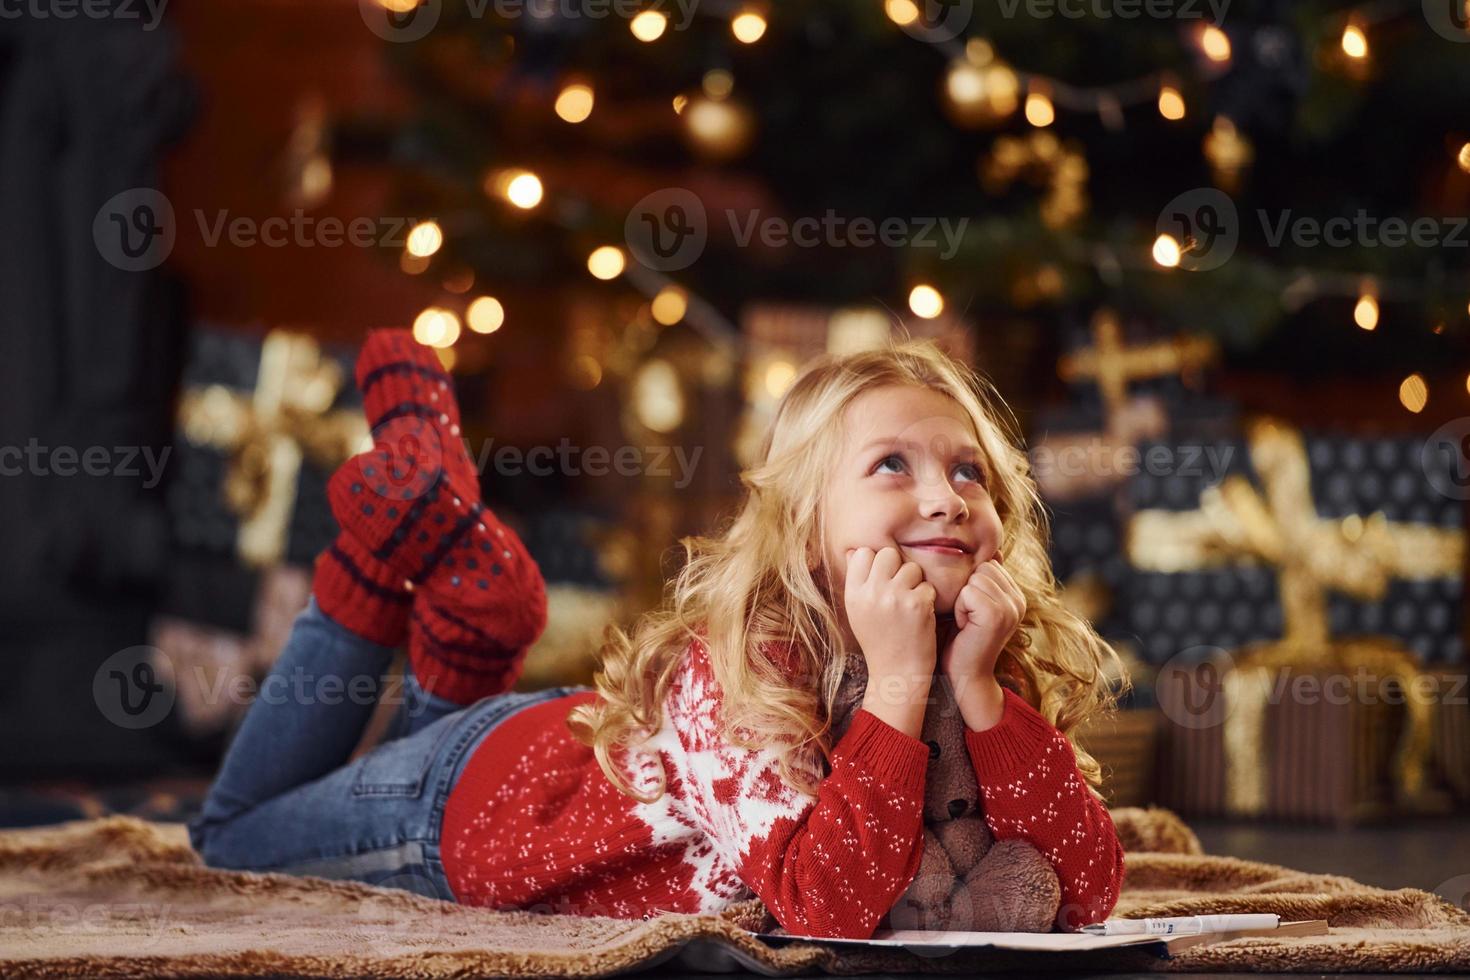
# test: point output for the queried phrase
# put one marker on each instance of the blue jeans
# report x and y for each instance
(284, 800)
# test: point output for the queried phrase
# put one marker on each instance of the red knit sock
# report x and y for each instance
(361, 594)
(412, 505)
(401, 378)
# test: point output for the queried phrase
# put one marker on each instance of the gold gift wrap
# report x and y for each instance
(1285, 755)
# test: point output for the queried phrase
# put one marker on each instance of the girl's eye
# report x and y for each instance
(974, 472)
(886, 459)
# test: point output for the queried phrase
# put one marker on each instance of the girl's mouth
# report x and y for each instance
(939, 549)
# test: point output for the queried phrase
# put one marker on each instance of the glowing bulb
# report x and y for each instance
(424, 239)
(669, 305)
(926, 302)
(1354, 42)
(485, 314)
(574, 102)
(1039, 111)
(748, 27)
(779, 375)
(1166, 251)
(436, 327)
(1171, 103)
(680, 101)
(1464, 158)
(1414, 392)
(1365, 313)
(901, 12)
(1215, 43)
(605, 262)
(717, 83)
(648, 25)
(398, 6)
(524, 190)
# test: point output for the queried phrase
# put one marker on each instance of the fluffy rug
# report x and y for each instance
(122, 897)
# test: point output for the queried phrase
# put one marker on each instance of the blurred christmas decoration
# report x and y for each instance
(262, 422)
(1280, 527)
(1060, 168)
(266, 435)
(1112, 365)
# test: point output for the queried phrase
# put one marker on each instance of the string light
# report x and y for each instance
(1464, 158)
(669, 305)
(412, 264)
(926, 302)
(1365, 313)
(606, 262)
(748, 27)
(485, 314)
(901, 12)
(717, 83)
(1166, 251)
(1171, 103)
(680, 101)
(649, 25)
(436, 327)
(1039, 110)
(1354, 42)
(1414, 392)
(574, 102)
(424, 239)
(521, 188)
(1215, 44)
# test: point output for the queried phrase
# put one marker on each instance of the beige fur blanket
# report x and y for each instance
(121, 897)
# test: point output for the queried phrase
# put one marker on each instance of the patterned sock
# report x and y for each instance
(401, 378)
(361, 594)
(412, 505)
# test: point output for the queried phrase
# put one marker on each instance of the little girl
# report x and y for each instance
(890, 517)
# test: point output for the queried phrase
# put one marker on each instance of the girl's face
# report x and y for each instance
(910, 471)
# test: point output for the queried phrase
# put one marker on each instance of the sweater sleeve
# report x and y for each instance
(826, 865)
(1033, 790)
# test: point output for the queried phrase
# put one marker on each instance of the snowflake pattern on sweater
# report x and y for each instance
(533, 822)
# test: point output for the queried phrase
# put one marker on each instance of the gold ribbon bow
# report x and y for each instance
(269, 432)
(1311, 554)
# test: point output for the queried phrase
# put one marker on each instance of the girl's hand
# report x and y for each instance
(986, 612)
(890, 609)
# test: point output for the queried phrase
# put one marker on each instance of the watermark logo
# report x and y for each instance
(667, 230)
(406, 461)
(1206, 225)
(134, 688)
(1190, 687)
(1445, 458)
(1450, 19)
(400, 21)
(937, 21)
(134, 230)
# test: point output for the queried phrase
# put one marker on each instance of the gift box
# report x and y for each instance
(1291, 572)
(261, 425)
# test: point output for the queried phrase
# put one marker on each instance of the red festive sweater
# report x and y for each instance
(533, 822)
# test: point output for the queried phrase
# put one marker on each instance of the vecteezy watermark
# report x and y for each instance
(137, 688)
(1098, 456)
(137, 229)
(1206, 226)
(1215, 10)
(1450, 19)
(933, 21)
(403, 21)
(150, 12)
(34, 459)
(565, 459)
(1194, 687)
(1445, 458)
(668, 230)
(37, 918)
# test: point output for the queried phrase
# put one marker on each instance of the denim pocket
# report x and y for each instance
(401, 767)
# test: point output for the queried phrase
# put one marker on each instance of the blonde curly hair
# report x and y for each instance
(752, 595)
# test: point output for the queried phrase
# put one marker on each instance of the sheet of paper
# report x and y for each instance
(929, 939)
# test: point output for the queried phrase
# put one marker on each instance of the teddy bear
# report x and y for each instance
(966, 880)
